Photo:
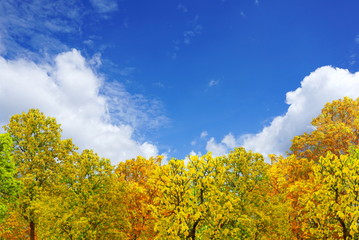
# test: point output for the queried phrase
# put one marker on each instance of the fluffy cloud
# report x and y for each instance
(69, 90)
(323, 85)
(223, 147)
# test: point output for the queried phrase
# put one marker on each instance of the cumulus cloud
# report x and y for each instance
(70, 90)
(305, 103)
(223, 147)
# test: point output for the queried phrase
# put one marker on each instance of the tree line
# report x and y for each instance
(51, 190)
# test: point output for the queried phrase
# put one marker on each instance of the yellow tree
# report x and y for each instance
(139, 194)
(214, 198)
(38, 149)
(331, 210)
(248, 179)
(336, 129)
(87, 203)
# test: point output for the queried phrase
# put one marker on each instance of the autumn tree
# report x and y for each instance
(336, 129)
(290, 179)
(140, 193)
(331, 210)
(38, 149)
(214, 198)
(87, 203)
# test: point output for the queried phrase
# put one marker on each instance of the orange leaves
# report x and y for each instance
(14, 227)
(311, 194)
(140, 193)
(336, 129)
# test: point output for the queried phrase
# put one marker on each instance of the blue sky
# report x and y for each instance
(177, 77)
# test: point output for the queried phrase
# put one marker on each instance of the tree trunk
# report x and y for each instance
(32, 230)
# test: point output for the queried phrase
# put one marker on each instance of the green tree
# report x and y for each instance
(9, 186)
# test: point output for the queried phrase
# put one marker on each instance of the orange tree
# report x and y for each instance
(336, 129)
(139, 194)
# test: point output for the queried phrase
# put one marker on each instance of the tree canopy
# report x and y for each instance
(50, 190)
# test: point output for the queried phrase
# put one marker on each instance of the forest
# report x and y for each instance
(51, 190)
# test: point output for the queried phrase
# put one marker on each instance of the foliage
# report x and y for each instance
(9, 186)
(336, 129)
(332, 210)
(87, 203)
(51, 191)
(213, 198)
(38, 149)
(139, 195)
(291, 178)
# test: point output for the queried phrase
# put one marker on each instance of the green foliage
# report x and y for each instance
(9, 186)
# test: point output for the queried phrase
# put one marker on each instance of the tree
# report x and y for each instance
(214, 198)
(38, 149)
(9, 186)
(332, 209)
(140, 193)
(291, 178)
(88, 201)
(336, 129)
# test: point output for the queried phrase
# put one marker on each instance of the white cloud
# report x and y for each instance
(28, 29)
(223, 147)
(204, 134)
(213, 83)
(229, 141)
(182, 8)
(305, 103)
(70, 91)
(357, 39)
(188, 35)
(104, 6)
(36, 24)
(196, 29)
(133, 109)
